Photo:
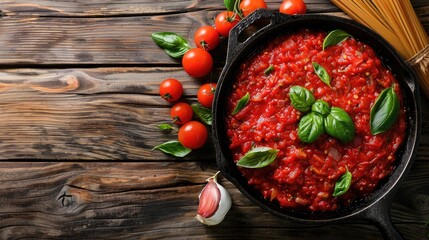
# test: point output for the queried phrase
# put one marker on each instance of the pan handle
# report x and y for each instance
(379, 214)
(236, 44)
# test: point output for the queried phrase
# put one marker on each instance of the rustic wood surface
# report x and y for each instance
(79, 110)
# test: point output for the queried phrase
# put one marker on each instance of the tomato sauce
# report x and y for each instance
(304, 175)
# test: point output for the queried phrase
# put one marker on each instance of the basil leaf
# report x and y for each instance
(384, 112)
(310, 127)
(165, 127)
(172, 43)
(241, 103)
(258, 157)
(174, 148)
(230, 4)
(269, 70)
(322, 73)
(301, 98)
(334, 37)
(343, 184)
(321, 107)
(205, 114)
(340, 125)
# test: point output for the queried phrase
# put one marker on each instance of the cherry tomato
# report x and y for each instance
(171, 89)
(193, 135)
(206, 94)
(206, 37)
(249, 6)
(293, 7)
(197, 62)
(225, 21)
(181, 113)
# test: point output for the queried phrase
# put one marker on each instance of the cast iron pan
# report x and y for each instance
(375, 207)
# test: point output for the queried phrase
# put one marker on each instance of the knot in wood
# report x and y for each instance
(71, 81)
(66, 199)
(421, 202)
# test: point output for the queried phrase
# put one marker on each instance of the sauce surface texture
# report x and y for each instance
(303, 175)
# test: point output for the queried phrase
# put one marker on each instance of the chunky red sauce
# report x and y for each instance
(303, 175)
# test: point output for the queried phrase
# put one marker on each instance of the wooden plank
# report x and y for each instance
(159, 200)
(88, 114)
(97, 114)
(58, 41)
(88, 40)
(136, 7)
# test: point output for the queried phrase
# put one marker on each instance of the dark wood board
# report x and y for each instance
(79, 110)
(158, 200)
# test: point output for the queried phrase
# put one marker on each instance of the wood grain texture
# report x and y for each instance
(63, 40)
(82, 8)
(158, 201)
(79, 110)
(88, 114)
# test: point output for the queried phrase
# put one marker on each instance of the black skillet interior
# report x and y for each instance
(277, 24)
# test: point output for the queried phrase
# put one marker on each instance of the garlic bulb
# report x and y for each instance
(215, 202)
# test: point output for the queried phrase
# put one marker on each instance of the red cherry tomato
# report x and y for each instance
(225, 21)
(171, 89)
(181, 113)
(206, 37)
(197, 62)
(293, 7)
(206, 94)
(193, 135)
(249, 6)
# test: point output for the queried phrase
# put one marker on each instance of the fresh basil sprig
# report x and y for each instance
(334, 37)
(384, 112)
(172, 43)
(322, 73)
(241, 103)
(205, 114)
(258, 157)
(334, 121)
(321, 107)
(343, 184)
(339, 124)
(310, 127)
(301, 98)
(174, 148)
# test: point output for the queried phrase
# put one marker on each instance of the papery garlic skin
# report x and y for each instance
(223, 206)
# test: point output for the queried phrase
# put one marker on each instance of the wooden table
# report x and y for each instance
(79, 110)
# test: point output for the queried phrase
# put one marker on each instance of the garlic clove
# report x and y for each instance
(215, 202)
(209, 199)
